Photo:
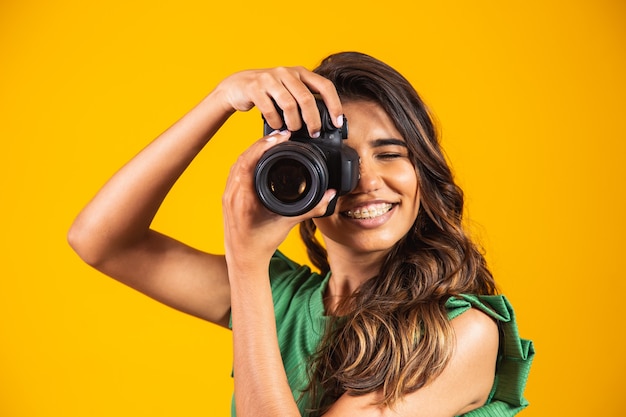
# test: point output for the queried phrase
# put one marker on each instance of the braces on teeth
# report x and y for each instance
(369, 212)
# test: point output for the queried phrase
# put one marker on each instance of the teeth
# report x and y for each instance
(369, 212)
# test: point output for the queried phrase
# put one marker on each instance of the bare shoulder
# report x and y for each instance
(475, 327)
(474, 359)
(463, 385)
(468, 378)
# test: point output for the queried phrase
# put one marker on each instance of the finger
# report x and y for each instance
(245, 165)
(321, 208)
(239, 184)
(290, 109)
(270, 90)
(310, 113)
(257, 149)
(304, 101)
(270, 113)
(267, 91)
(330, 197)
(264, 96)
(326, 89)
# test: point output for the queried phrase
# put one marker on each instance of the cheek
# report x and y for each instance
(405, 180)
(407, 184)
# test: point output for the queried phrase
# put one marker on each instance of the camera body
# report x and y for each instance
(292, 177)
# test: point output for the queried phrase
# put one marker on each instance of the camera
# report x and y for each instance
(292, 177)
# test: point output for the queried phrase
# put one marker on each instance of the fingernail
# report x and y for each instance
(316, 135)
(340, 121)
(272, 136)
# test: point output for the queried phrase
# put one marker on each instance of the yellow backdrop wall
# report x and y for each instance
(530, 99)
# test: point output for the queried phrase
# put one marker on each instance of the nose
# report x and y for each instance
(369, 180)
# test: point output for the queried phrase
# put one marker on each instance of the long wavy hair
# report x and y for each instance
(395, 336)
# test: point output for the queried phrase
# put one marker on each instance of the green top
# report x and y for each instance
(301, 322)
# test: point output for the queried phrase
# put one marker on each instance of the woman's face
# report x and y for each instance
(384, 205)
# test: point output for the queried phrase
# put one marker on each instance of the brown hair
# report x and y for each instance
(396, 335)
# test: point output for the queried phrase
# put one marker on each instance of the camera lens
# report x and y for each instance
(288, 180)
(291, 178)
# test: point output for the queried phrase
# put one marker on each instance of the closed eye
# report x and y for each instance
(389, 149)
(390, 155)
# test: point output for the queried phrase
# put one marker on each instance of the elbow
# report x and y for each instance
(82, 239)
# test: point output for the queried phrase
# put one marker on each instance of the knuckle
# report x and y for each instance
(306, 98)
(282, 70)
(289, 105)
(326, 85)
(263, 78)
(242, 164)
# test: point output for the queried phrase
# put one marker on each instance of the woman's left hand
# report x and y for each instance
(252, 233)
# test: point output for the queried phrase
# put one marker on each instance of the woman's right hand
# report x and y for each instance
(291, 88)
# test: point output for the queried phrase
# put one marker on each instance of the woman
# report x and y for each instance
(403, 318)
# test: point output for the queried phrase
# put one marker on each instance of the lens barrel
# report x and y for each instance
(291, 178)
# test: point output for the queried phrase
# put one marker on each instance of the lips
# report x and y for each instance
(370, 211)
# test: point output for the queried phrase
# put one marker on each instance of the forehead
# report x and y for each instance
(368, 122)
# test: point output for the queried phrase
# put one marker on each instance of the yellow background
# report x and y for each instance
(530, 97)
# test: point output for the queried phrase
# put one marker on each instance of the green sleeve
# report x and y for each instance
(514, 359)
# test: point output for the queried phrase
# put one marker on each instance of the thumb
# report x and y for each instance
(326, 207)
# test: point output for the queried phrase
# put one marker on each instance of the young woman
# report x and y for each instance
(403, 319)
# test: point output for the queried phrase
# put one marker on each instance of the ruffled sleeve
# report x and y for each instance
(514, 359)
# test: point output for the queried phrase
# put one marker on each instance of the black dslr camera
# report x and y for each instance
(292, 177)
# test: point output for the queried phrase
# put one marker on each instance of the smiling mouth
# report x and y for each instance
(368, 212)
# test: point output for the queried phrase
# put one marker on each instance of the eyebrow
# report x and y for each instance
(388, 142)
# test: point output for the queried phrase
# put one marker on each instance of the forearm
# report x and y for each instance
(261, 387)
(252, 233)
(121, 212)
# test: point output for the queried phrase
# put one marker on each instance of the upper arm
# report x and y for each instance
(463, 385)
(175, 274)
